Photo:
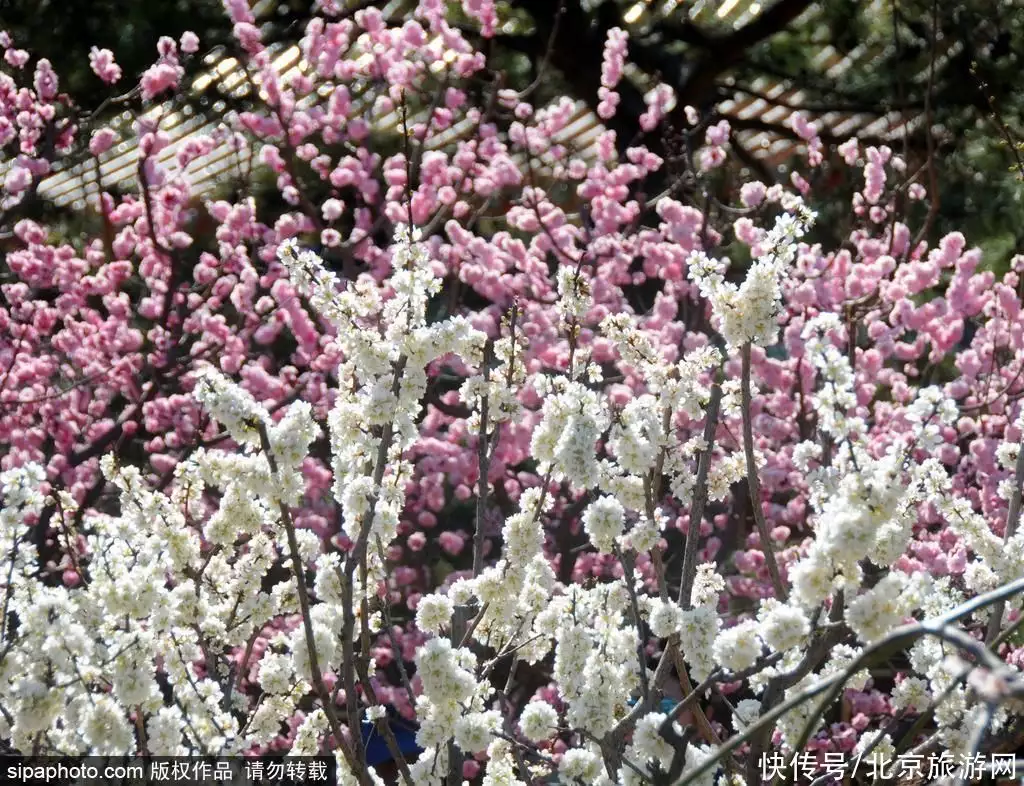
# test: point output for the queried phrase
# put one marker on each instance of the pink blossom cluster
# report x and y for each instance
(101, 337)
(103, 65)
(611, 72)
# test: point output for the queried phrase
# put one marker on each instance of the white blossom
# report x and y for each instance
(538, 721)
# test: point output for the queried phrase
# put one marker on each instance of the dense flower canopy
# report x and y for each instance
(494, 440)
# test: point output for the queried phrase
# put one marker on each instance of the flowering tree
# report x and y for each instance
(623, 488)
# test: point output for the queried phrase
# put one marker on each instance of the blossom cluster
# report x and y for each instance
(613, 495)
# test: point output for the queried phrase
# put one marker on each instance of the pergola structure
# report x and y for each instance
(78, 183)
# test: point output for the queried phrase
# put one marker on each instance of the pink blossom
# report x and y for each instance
(102, 140)
(167, 48)
(102, 63)
(659, 101)
(752, 194)
(248, 36)
(484, 11)
(16, 58)
(612, 67)
(718, 134)
(239, 11)
(159, 78)
(17, 180)
(189, 42)
(452, 542)
(45, 81)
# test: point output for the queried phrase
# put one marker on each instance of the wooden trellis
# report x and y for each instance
(79, 183)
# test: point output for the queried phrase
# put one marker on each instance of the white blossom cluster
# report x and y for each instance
(500, 385)
(174, 580)
(574, 295)
(186, 577)
(866, 506)
(231, 406)
(83, 660)
(676, 387)
(996, 561)
(747, 313)
(835, 398)
(387, 344)
(650, 753)
(573, 417)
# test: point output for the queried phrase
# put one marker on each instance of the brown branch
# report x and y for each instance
(307, 623)
(700, 497)
(753, 482)
(725, 52)
(1012, 521)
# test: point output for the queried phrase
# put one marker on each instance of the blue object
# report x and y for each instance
(665, 706)
(377, 749)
